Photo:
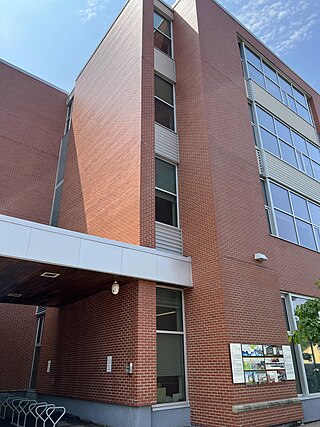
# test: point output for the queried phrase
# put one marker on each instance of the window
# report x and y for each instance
(170, 347)
(306, 355)
(269, 78)
(69, 115)
(288, 145)
(164, 102)
(297, 218)
(162, 34)
(166, 193)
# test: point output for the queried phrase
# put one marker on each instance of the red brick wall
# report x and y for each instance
(17, 334)
(224, 224)
(32, 118)
(87, 332)
(112, 150)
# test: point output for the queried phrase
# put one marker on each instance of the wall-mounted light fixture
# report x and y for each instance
(260, 257)
(115, 288)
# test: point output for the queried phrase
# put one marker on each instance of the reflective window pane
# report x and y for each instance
(292, 103)
(315, 213)
(314, 152)
(164, 114)
(285, 85)
(256, 75)
(317, 231)
(269, 142)
(280, 198)
(316, 169)
(170, 368)
(299, 96)
(166, 208)
(300, 161)
(300, 207)
(265, 119)
(162, 24)
(283, 131)
(305, 233)
(286, 228)
(169, 310)
(299, 143)
(288, 154)
(165, 176)
(307, 165)
(253, 58)
(303, 112)
(273, 89)
(270, 72)
(163, 89)
(163, 43)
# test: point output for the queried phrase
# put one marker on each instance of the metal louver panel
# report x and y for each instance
(166, 144)
(168, 238)
(41, 309)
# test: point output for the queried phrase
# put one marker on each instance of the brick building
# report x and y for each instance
(182, 127)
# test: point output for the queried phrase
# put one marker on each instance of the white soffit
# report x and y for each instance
(42, 243)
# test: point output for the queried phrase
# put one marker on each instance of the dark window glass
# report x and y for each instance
(162, 24)
(169, 310)
(286, 227)
(163, 89)
(306, 236)
(256, 75)
(283, 131)
(280, 198)
(165, 176)
(265, 119)
(166, 208)
(300, 207)
(164, 114)
(269, 142)
(163, 43)
(170, 368)
(273, 89)
(253, 58)
(288, 154)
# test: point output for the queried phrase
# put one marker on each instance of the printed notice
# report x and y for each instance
(288, 362)
(237, 363)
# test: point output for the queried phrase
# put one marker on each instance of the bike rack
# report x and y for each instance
(59, 411)
(39, 412)
(5, 405)
(24, 410)
(14, 405)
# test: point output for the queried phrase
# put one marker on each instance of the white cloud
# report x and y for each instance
(281, 24)
(93, 7)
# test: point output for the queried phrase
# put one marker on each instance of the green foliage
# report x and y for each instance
(308, 323)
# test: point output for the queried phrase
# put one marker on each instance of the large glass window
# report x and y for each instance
(162, 34)
(282, 141)
(310, 355)
(297, 218)
(166, 193)
(170, 347)
(269, 78)
(164, 102)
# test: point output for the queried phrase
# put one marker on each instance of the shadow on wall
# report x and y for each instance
(72, 212)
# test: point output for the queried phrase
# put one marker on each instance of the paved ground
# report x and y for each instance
(65, 422)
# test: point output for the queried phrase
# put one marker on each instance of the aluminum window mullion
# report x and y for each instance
(162, 100)
(294, 218)
(166, 191)
(159, 31)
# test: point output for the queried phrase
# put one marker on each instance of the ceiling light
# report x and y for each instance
(50, 275)
(14, 295)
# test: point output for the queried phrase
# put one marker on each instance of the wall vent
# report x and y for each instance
(40, 310)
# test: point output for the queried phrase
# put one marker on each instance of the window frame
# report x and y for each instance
(170, 193)
(68, 116)
(171, 32)
(298, 350)
(159, 406)
(173, 106)
(292, 214)
(278, 74)
(275, 133)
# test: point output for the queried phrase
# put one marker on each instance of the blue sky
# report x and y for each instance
(54, 38)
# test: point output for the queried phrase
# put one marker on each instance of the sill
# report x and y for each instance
(309, 396)
(175, 227)
(171, 405)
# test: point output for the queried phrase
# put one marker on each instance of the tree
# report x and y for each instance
(308, 322)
